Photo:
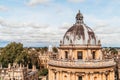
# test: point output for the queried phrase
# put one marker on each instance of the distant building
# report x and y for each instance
(43, 59)
(18, 72)
(80, 56)
(118, 51)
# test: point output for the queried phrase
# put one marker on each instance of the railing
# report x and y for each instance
(80, 46)
(83, 64)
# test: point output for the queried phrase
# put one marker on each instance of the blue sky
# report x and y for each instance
(43, 22)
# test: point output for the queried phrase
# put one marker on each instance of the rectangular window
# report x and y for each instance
(79, 55)
(93, 54)
(66, 54)
(79, 77)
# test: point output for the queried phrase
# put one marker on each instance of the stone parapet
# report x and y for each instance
(80, 46)
(82, 64)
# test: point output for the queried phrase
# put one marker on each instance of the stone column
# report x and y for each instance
(57, 75)
(50, 75)
(91, 76)
(112, 75)
(61, 75)
(100, 75)
(104, 76)
(68, 77)
(89, 55)
(100, 54)
(75, 76)
(86, 76)
(70, 54)
(72, 76)
(108, 76)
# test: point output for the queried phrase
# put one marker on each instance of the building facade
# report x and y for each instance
(80, 56)
(18, 72)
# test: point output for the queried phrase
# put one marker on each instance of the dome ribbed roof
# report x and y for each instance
(79, 33)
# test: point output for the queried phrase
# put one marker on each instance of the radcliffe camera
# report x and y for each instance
(59, 40)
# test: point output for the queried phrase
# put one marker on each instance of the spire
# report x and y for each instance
(79, 17)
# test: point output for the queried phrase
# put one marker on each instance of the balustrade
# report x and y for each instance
(83, 64)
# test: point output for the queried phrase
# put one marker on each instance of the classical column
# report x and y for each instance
(73, 76)
(68, 78)
(91, 76)
(86, 76)
(89, 55)
(61, 75)
(57, 75)
(100, 54)
(104, 76)
(100, 75)
(49, 75)
(112, 75)
(70, 54)
(108, 76)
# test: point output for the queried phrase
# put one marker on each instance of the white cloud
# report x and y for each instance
(3, 8)
(76, 1)
(107, 30)
(27, 32)
(36, 2)
(6, 23)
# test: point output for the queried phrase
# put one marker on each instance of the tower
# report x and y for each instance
(80, 56)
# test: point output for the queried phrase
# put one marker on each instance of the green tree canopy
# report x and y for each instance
(55, 50)
(14, 52)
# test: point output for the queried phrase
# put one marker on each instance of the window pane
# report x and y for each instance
(79, 77)
(66, 54)
(79, 54)
(93, 54)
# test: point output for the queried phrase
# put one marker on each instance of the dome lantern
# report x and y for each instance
(79, 18)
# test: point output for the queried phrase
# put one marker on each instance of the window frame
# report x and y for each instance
(81, 54)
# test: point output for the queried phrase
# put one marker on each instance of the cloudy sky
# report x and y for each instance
(39, 23)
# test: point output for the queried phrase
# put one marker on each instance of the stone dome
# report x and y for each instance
(79, 33)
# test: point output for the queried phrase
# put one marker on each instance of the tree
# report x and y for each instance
(23, 58)
(34, 59)
(14, 52)
(45, 49)
(55, 50)
(10, 52)
(43, 72)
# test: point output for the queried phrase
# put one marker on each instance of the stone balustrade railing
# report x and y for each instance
(82, 64)
(80, 46)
